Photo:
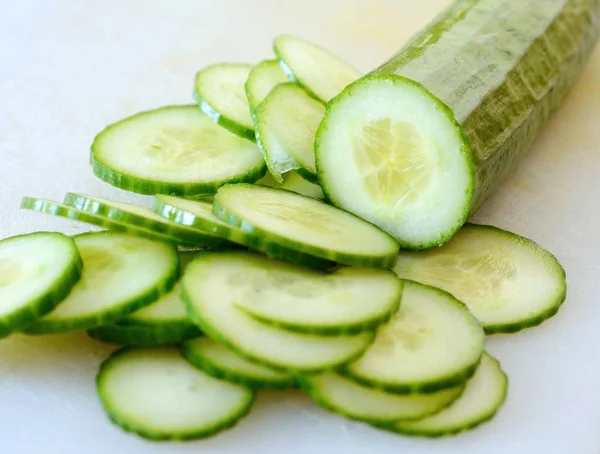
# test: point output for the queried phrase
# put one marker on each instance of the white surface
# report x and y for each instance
(69, 68)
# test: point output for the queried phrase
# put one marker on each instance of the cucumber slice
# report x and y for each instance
(507, 281)
(303, 300)
(315, 69)
(144, 335)
(432, 342)
(198, 214)
(155, 393)
(286, 123)
(419, 144)
(168, 309)
(213, 282)
(122, 273)
(131, 214)
(219, 89)
(37, 271)
(222, 362)
(262, 79)
(344, 396)
(69, 212)
(304, 224)
(484, 394)
(292, 181)
(173, 150)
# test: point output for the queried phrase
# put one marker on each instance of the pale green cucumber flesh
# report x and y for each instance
(263, 77)
(37, 271)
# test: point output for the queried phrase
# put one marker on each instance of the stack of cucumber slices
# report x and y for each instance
(247, 274)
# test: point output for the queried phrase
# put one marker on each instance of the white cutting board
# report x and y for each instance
(68, 68)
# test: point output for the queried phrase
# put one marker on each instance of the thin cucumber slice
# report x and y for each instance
(37, 271)
(213, 282)
(507, 281)
(286, 123)
(145, 335)
(315, 69)
(122, 273)
(344, 396)
(220, 91)
(263, 77)
(292, 181)
(198, 214)
(305, 225)
(173, 150)
(303, 300)
(222, 362)
(131, 214)
(432, 342)
(155, 393)
(484, 394)
(168, 309)
(69, 212)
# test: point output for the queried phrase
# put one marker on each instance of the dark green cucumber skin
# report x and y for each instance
(145, 335)
(512, 113)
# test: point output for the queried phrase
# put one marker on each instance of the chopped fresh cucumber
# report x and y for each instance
(315, 69)
(214, 282)
(37, 271)
(122, 273)
(198, 214)
(304, 224)
(127, 213)
(158, 395)
(222, 362)
(262, 79)
(309, 301)
(484, 394)
(144, 335)
(507, 281)
(432, 342)
(219, 89)
(420, 143)
(173, 150)
(286, 123)
(353, 400)
(292, 181)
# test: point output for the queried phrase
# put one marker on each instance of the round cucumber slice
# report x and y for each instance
(219, 89)
(484, 394)
(145, 335)
(263, 77)
(507, 281)
(37, 271)
(213, 282)
(155, 393)
(315, 69)
(305, 225)
(173, 150)
(432, 342)
(222, 362)
(122, 273)
(292, 181)
(286, 123)
(131, 214)
(403, 166)
(351, 399)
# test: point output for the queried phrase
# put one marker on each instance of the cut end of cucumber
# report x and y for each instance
(390, 152)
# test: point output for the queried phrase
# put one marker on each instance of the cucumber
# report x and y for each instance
(263, 77)
(339, 394)
(307, 301)
(37, 271)
(219, 90)
(304, 224)
(122, 273)
(432, 342)
(222, 362)
(286, 123)
(507, 281)
(131, 214)
(418, 145)
(484, 394)
(292, 181)
(319, 72)
(213, 282)
(155, 393)
(173, 150)
(144, 335)
(198, 214)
